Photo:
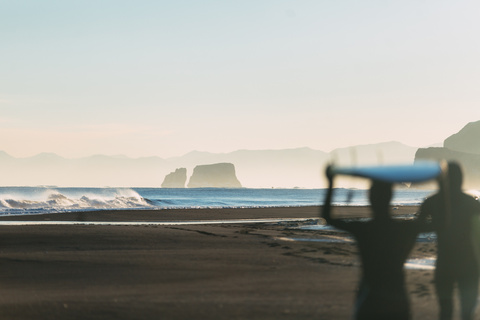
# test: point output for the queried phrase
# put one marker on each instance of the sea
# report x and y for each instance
(48, 199)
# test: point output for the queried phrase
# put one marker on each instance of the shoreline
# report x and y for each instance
(230, 271)
(182, 214)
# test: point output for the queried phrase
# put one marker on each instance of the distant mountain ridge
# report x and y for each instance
(298, 167)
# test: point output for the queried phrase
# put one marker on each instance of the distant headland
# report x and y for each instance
(463, 147)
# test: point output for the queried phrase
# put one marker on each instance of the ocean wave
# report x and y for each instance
(39, 200)
(52, 200)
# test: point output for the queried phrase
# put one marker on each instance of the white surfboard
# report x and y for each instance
(416, 172)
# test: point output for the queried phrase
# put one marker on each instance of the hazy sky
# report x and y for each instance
(144, 78)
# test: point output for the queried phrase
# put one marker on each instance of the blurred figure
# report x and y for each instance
(384, 245)
(452, 214)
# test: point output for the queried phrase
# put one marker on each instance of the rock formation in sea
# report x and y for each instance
(463, 147)
(218, 175)
(175, 179)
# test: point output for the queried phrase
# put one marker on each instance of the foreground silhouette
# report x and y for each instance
(452, 213)
(384, 245)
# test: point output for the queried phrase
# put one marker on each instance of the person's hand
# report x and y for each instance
(329, 173)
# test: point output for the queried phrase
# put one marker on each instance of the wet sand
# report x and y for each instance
(228, 271)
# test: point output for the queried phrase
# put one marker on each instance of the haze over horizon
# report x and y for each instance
(158, 78)
(344, 149)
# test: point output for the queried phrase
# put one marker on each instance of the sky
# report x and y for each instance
(163, 78)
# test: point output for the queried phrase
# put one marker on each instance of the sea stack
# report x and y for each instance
(175, 179)
(218, 175)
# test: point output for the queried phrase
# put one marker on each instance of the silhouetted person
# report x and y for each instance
(452, 213)
(384, 245)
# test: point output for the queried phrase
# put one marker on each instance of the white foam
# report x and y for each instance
(50, 200)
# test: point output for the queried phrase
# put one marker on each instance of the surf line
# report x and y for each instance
(153, 223)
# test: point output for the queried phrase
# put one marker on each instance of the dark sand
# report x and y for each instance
(231, 271)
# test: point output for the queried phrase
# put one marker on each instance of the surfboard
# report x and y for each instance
(417, 172)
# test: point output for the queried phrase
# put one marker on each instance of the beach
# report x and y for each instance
(242, 270)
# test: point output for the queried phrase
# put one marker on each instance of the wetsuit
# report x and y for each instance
(383, 246)
(456, 260)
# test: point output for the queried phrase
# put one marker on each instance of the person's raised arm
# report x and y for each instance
(327, 205)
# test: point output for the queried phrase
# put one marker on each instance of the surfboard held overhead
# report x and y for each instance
(417, 172)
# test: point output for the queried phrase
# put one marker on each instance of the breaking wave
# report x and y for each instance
(49, 200)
